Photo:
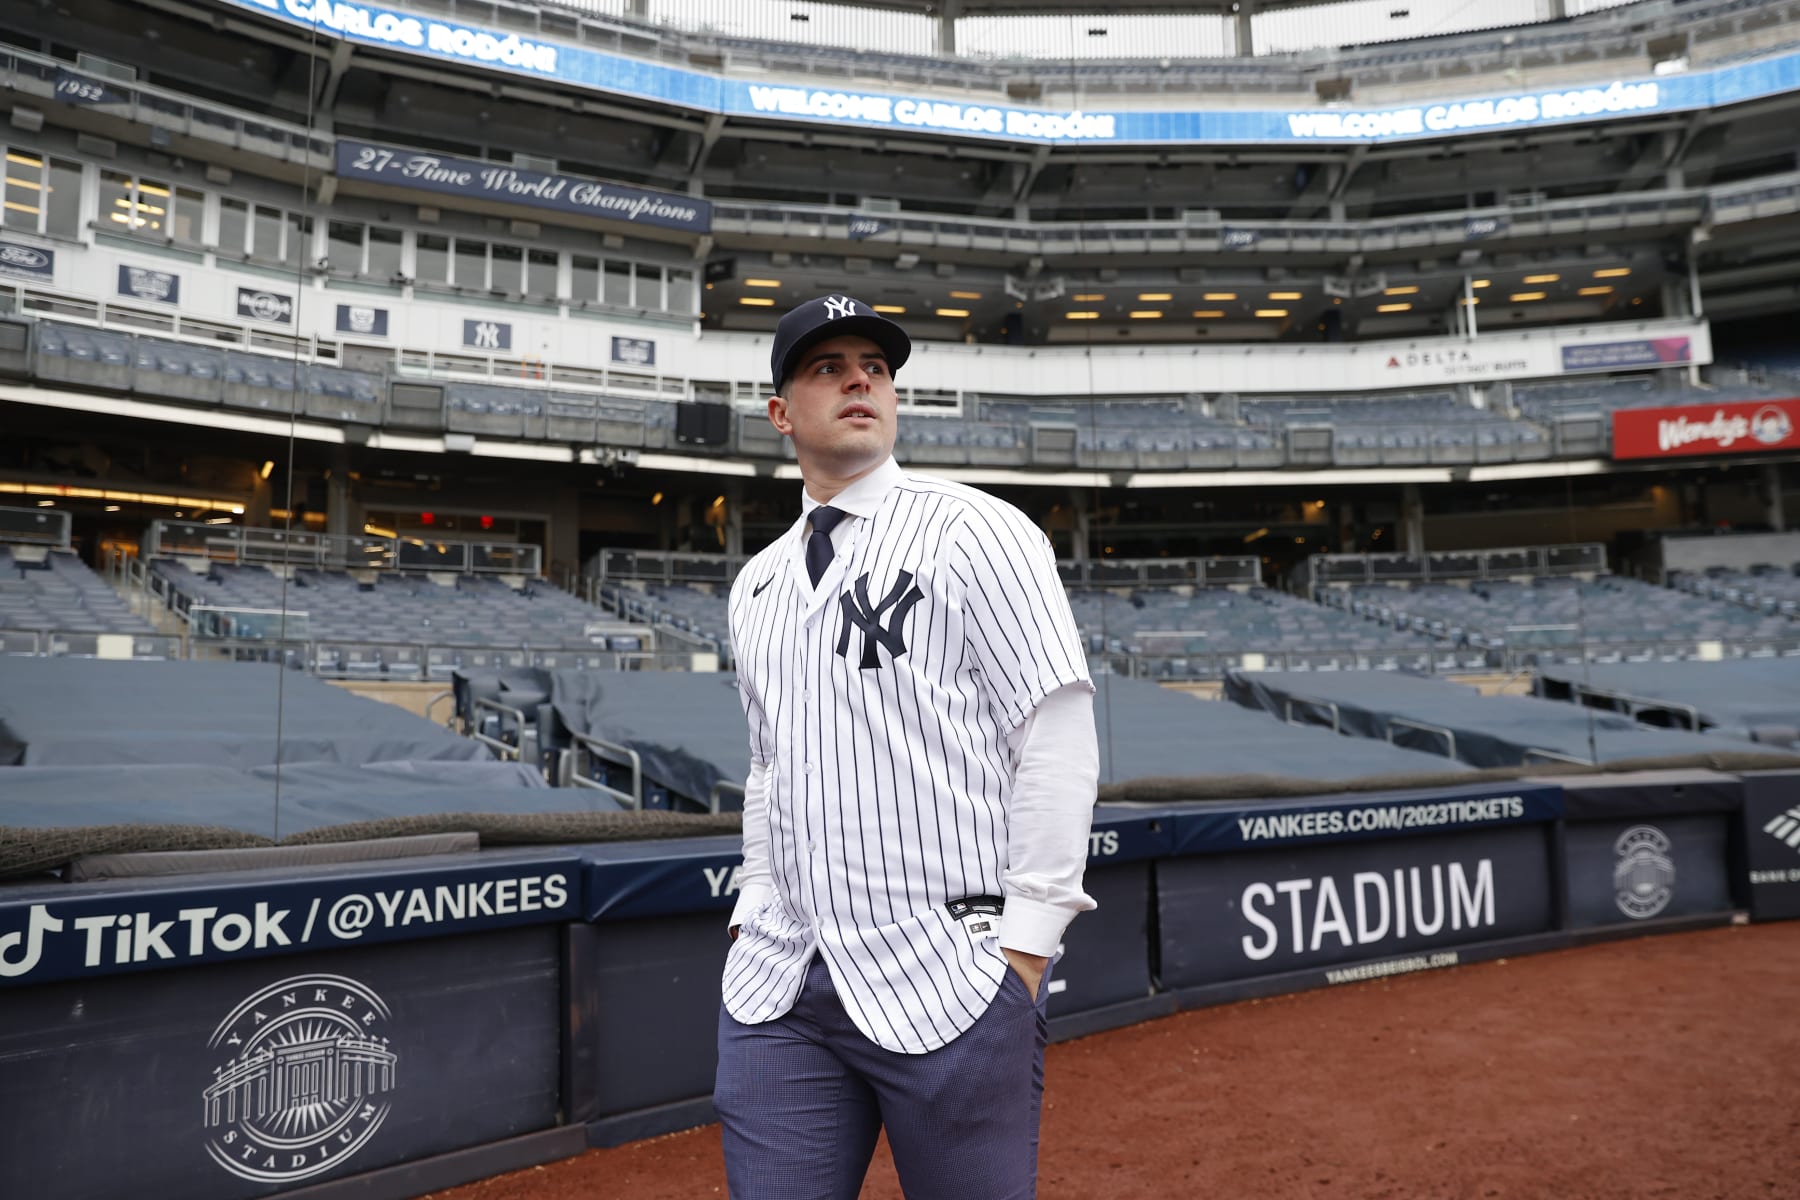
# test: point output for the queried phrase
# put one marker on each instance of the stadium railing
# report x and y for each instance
(250, 544)
(1325, 570)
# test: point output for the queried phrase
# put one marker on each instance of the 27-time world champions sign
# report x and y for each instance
(471, 179)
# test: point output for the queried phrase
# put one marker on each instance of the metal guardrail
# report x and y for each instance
(1443, 659)
(665, 566)
(1564, 218)
(1239, 571)
(1326, 569)
(62, 643)
(239, 543)
(36, 526)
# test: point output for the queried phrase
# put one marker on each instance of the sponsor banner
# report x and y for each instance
(473, 179)
(1238, 916)
(1772, 844)
(487, 335)
(863, 228)
(704, 874)
(363, 320)
(1625, 871)
(1309, 822)
(45, 937)
(683, 87)
(1467, 360)
(16, 258)
(1746, 427)
(636, 352)
(1476, 228)
(1615, 356)
(260, 304)
(243, 1079)
(78, 89)
(1233, 238)
(142, 283)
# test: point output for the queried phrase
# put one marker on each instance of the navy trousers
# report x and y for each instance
(802, 1098)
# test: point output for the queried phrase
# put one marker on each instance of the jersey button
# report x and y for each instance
(809, 768)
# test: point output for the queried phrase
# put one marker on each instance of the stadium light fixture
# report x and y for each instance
(1156, 295)
(1083, 315)
(952, 312)
(1410, 289)
(1522, 297)
(52, 504)
(18, 206)
(1209, 314)
(1481, 283)
(656, 499)
(1595, 291)
(268, 468)
(1612, 272)
(1088, 297)
(1469, 301)
(762, 283)
(1271, 312)
(1552, 277)
(895, 309)
(1145, 314)
(112, 508)
(1402, 307)
(1260, 533)
(756, 301)
(965, 295)
(1219, 296)
(1284, 295)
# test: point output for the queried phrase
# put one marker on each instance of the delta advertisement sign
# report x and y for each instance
(1740, 427)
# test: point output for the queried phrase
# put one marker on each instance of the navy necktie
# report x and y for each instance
(818, 545)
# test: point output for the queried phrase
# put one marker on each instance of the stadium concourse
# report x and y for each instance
(1409, 395)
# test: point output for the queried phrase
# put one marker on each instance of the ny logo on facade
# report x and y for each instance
(839, 306)
(867, 617)
(487, 335)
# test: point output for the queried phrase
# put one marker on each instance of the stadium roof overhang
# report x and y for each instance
(1075, 8)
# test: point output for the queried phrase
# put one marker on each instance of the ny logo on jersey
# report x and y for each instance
(901, 598)
(839, 306)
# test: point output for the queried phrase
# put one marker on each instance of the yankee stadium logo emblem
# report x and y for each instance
(839, 306)
(867, 617)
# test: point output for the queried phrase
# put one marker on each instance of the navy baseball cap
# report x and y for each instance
(833, 316)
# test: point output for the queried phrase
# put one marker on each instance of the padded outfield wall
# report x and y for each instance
(385, 1028)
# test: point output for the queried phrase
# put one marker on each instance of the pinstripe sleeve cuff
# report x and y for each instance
(751, 898)
(1033, 927)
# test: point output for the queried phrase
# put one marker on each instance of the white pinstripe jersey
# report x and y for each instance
(880, 703)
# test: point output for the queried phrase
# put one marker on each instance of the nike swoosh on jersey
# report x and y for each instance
(758, 589)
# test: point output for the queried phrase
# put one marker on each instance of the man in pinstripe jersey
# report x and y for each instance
(917, 812)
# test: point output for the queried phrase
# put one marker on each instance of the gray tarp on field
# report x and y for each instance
(1740, 698)
(88, 712)
(691, 733)
(1147, 730)
(688, 728)
(312, 795)
(1490, 731)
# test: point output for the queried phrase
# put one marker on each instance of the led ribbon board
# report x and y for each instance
(394, 29)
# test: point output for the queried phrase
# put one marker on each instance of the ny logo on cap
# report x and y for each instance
(839, 306)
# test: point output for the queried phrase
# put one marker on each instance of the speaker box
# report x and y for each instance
(702, 424)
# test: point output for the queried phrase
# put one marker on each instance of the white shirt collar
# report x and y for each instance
(862, 498)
